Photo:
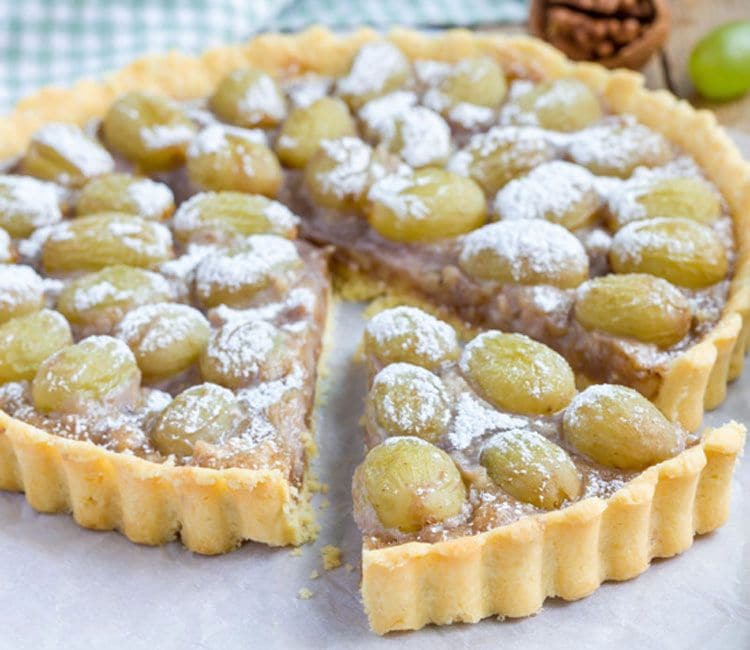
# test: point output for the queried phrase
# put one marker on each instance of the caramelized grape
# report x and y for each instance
(100, 370)
(682, 251)
(411, 483)
(616, 147)
(411, 335)
(501, 154)
(126, 194)
(65, 154)
(557, 191)
(689, 198)
(165, 338)
(243, 353)
(26, 341)
(478, 81)
(218, 216)
(98, 301)
(149, 130)
(221, 158)
(518, 374)
(427, 205)
(249, 97)
(634, 305)
(558, 105)
(203, 413)
(531, 468)
(511, 252)
(340, 173)
(21, 291)
(306, 127)
(377, 69)
(27, 204)
(420, 136)
(93, 242)
(618, 427)
(236, 277)
(407, 400)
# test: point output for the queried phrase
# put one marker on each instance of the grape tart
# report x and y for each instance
(486, 175)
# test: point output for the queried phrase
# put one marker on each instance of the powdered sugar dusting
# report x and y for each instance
(545, 249)
(37, 201)
(391, 191)
(163, 136)
(215, 139)
(350, 175)
(473, 420)
(623, 198)
(638, 237)
(471, 116)
(531, 145)
(85, 154)
(239, 349)
(548, 191)
(303, 91)
(373, 66)
(150, 197)
(261, 257)
(616, 143)
(425, 136)
(158, 326)
(6, 252)
(378, 114)
(19, 284)
(262, 100)
(426, 335)
(431, 405)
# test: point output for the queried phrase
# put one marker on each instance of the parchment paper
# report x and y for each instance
(62, 586)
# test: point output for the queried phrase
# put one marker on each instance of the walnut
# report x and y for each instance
(615, 33)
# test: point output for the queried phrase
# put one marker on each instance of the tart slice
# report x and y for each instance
(490, 482)
(160, 379)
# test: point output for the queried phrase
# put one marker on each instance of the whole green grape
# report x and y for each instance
(719, 64)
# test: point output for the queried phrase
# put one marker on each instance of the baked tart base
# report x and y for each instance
(509, 570)
(212, 511)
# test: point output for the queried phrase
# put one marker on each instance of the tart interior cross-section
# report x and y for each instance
(164, 290)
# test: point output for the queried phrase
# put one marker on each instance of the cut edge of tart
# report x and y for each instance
(509, 570)
(211, 511)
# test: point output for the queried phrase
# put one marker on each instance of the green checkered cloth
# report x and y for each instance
(58, 41)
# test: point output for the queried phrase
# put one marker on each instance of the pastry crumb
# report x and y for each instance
(296, 552)
(348, 567)
(316, 485)
(331, 557)
(324, 504)
(304, 594)
(314, 575)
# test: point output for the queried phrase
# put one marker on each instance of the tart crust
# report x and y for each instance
(213, 511)
(508, 570)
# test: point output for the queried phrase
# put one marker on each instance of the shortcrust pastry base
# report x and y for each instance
(511, 570)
